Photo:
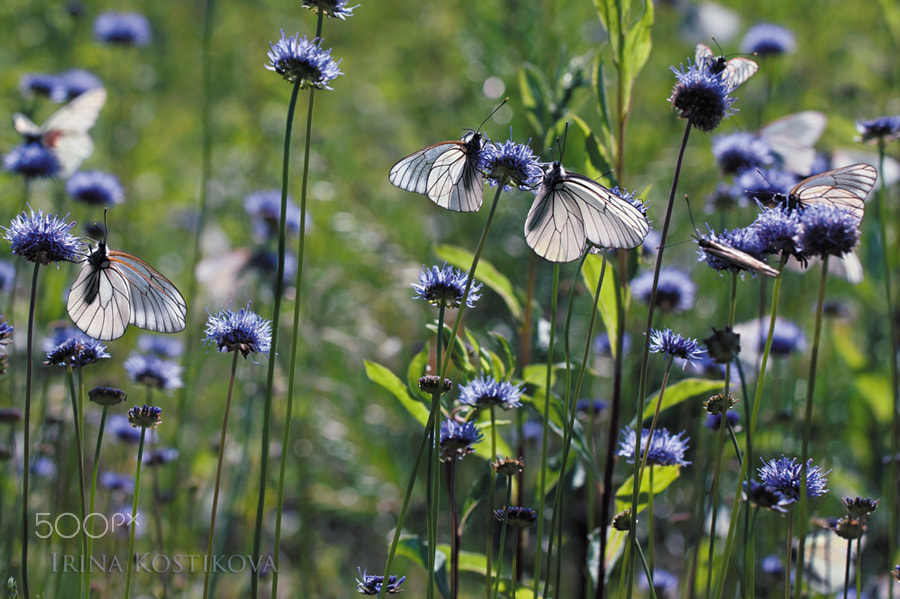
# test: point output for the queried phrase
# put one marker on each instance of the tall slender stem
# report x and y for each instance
(29, 375)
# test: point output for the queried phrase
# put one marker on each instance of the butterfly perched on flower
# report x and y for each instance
(739, 259)
(571, 210)
(734, 71)
(845, 188)
(115, 289)
(65, 132)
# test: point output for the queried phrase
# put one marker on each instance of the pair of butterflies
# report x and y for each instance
(113, 288)
(569, 209)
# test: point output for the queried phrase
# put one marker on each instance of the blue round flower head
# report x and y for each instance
(333, 9)
(701, 96)
(510, 163)
(826, 231)
(674, 291)
(766, 39)
(75, 351)
(763, 496)
(742, 239)
(484, 392)
(784, 475)
(603, 344)
(777, 231)
(153, 372)
(95, 188)
(264, 208)
(244, 331)
(664, 583)
(673, 344)
(666, 449)
(43, 239)
(40, 84)
(74, 82)
(741, 151)
(145, 416)
(445, 287)
(880, 130)
(371, 584)
(122, 28)
(32, 160)
(457, 439)
(628, 196)
(301, 60)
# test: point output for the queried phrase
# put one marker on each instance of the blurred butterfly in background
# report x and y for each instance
(734, 70)
(570, 210)
(446, 172)
(845, 188)
(115, 289)
(791, 139)
(65, 132)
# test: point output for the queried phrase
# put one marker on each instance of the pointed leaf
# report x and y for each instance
(679, 392)
(389, 381)
(492, 278)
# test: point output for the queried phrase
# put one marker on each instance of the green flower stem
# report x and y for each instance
(273, 352)
(545, 434)
(503, 528)
(134, 507)
(648, 572)
(82, 503)
(455, 533)
(751, 427)
(29, 377)
(492, 504)
(807, 427)
(645, 351)
(215, 502)
(94, 475)
(787, 555)
(434, 434)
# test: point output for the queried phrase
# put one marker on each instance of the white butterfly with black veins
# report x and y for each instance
(446, 172)
(571, 210)
(65, 133)
(115, 289)
(845, 188)
(791, 139)
(734, 70)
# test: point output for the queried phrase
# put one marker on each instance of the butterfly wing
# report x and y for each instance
(704, 58)
(99, 301)
(156, 304)
(737, 70)
(845, 188)
(65, 133)
(445, 172)
(792, 139)
(25, 127)
(741, 259)
(571, 209)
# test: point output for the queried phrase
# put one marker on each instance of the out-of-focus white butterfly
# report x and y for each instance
(791, 139)
(734, 70)
(845, 188)
(446, 172)
(115, 289)
(65, 133)
(571, 210)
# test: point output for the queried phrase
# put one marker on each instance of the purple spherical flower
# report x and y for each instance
(485, 391)
(882, 129)
(43, 239)
(75, 350)
(264, 208)
(784, 475)
(244, 331)
(741, 151)
(674, 291)
(510, 163)
(372, 584)
(74, 82)
(673, 344)
(457, 439)
(666, 449)
(333, 9)
(95, 188)
(32, 160)
(826, 230)
(766, 39)
(445, 287)
(701, 96)
(153, 372)
(145, 416)
(122, 28)
(301, 60)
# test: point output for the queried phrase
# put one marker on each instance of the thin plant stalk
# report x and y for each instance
(215, 502)
(95, 473)
(29, 375)
(542, 477)
(751, 427)
(807, 426)
(455, 536)
(503, 528)
(276, 320)
(645, 351)
(790, 536)
(492, 504)
(76, 413)
(134, 508)
(433, 434)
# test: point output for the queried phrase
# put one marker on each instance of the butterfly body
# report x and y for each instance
(739, 258)
(845, 188)
(65, 132)
(446, 172)
(571, 210)
(734, 71)
(115, 289)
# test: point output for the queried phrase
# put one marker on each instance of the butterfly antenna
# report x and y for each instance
(716, 42)
(493, 112)
(690, 213)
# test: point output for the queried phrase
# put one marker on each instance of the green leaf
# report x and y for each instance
(536, 96)
(608, 11)
(891, 11)
(386, 379)
(636, 51)
(416, 550)
(680, 392)
(416, 370)
(593, 266)
(492, 278)
(583, 150)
